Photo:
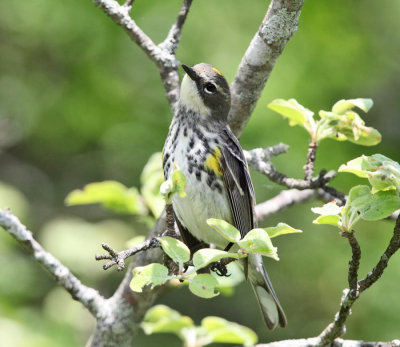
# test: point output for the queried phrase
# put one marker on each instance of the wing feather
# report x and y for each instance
(238, 183)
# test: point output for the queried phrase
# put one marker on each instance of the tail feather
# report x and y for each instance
(269, 304)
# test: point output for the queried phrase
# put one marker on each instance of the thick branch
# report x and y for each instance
(278, 26)
(89, 297)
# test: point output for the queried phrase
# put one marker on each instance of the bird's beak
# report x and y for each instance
(192, 74)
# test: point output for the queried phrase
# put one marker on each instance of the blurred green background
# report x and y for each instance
(80, 103)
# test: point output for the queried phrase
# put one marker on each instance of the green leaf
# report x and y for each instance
(162, 319)
(176, 184)
(346, 127)
(291, 109)
(331, 220)
(281, 229)
(228, 231)
(203, 285)
(345, 105)
(111, 195)
(331, 208)
(152, 274)
(179, 181)
(258, 241)
(206, 256)
(151, 179)
(373, 206)
(175, 249)
(222, 331)
(382, 172)
(329, 214)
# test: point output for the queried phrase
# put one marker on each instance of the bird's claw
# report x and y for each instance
(220, 269)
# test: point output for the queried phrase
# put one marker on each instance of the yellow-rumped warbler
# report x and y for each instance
(201, 144)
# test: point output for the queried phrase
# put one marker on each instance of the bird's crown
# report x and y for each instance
(205, 90)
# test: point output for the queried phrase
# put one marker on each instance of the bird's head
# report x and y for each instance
(205, 90)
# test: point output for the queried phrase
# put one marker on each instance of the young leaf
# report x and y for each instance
(373, 206)
(329, 214)
(162, 319)
(345, 105)
(258, 241)
(382, 172)
(203, 285)
(179, 181)
(346, 127)
(206, 256)
(111, 195)
(228, 231)
(291, 109)
(151, 179)
(175, 249)
(329, 209)
(223, 331)
(330, 220)
(281, 229)
(153, 274)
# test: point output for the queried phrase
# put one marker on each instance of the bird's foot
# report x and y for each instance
(220, 269)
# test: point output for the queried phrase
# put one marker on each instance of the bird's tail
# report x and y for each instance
(269, 304)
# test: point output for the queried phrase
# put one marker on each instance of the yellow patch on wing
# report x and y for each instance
(217, 71)
(212, 162)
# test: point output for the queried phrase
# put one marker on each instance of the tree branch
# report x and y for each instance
(278, 26)
(311, 155)
(287, 198)
(316, 342)
(259, 159)
(337, 328)
(172, 41)
(119, 258)
(163, 55)
(377, 271)
(89, 297)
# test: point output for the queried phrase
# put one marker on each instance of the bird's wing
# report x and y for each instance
(238, 183)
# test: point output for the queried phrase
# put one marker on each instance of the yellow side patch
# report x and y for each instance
(217, 71)
(212, 162)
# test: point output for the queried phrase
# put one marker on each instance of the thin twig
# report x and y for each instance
(170, 222)
(119, 258)
(337, 328)
(377, 271)
(259, 159)
(89, 297)
(311, 155)
(354, 264)
(174, 35)
(128, 4)
(163, 58)
(287, 198)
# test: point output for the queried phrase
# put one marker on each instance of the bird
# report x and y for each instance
(201, 145)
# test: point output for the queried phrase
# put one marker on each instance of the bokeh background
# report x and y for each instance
(80, 103)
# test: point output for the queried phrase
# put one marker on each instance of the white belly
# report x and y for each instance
(202, 201)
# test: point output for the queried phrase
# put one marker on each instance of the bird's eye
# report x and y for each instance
(210, 88)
